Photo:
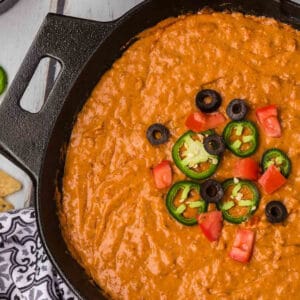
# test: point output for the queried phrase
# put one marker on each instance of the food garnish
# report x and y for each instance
(267, 118)
(211, 224)
(196, 122)
(241, 137)
(277, 158)
(243, 245)
(240, 202)
(158, 134)
(276, 212)
(214, 144)
(184, 202)
(237, 110)
(208, 100)
(162, 174)
(191, 157)
(199, 121)
(197, 154)
(272, 180)
(211, 191)
(3, 80)
(246, 168)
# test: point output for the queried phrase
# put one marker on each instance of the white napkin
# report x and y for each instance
(25, 270)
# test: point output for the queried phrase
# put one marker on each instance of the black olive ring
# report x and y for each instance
(237, 109)
(211, 191)
(208, 106)
(276, 212)
(158, 134)
(214, 144)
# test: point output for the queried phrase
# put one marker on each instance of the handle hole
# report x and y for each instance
(40, 85)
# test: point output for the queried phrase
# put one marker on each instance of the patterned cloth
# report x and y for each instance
(25, 270)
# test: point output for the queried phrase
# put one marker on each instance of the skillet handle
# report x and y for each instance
(291, 9)
(23, 135)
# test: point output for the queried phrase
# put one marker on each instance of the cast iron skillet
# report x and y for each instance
(85, 49)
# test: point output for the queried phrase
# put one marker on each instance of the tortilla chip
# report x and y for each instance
(8, 185)
(5, 206)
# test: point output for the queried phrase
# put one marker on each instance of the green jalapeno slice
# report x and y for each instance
(241, 137)
(277, 158)
(240, 201)
(184, 202)
(3, 80)
(191, 158)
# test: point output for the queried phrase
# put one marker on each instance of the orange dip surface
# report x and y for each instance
(113, 217)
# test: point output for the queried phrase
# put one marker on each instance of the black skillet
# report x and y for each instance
(85, 49)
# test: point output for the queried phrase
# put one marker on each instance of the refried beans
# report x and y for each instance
(114, 219)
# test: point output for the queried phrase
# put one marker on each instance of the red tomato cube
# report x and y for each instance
(211, 224)
(196, 121)
(246, 168)
(267, 117)
(199, 121)
(243, 245)
(272, 180)
(214, 120)
(266, 112)
(163, 174)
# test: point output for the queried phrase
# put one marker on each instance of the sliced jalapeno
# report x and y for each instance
(3, 80)
(184, 202)
(240, 201)
(277, 158)
(241, 137)
(191, 157)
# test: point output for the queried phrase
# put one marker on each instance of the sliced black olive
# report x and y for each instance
(208, 101)
(237, 109)
(276, 212)
(211, 191)
(158, 134)
(214, 144)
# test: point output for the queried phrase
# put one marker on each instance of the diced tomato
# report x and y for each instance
(243, 245)
(272, 180)
(199, 121)
(214, 120)
(267, 117)
(211, 224)
(272, 127)
(163, 174)
(196, 121)
(266, 112)
(246, 168)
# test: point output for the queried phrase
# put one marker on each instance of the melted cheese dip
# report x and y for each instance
(114, 219)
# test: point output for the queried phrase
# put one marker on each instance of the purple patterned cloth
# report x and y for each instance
(25, 270)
